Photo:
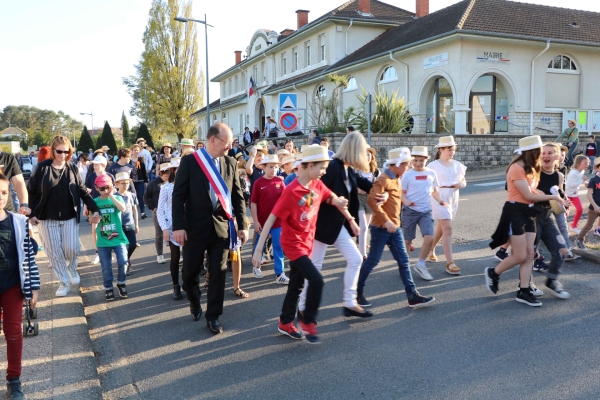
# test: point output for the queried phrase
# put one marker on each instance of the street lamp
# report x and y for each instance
(92, 115)
(206, 25)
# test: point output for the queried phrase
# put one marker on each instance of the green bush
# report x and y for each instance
(388, 114)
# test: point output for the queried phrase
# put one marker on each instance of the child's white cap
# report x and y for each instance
(398, 156)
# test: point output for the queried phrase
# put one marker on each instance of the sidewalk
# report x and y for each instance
(59, 363)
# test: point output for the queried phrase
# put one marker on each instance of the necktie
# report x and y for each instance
(213, 195)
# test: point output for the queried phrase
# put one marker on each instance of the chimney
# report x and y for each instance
(238, 56)
(364, 6)
(422, 8)
(286, 32)
(302, 17)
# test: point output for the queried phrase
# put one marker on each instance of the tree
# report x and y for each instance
(127, 139)
(85, 141)
(166, 88)
(143, 132)
(107, 139)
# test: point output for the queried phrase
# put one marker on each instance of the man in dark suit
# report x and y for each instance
(200, 223)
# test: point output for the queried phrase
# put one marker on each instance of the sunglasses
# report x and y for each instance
(105, 188)
(61, 151)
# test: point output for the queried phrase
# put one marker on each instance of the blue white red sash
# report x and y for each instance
(220, 188)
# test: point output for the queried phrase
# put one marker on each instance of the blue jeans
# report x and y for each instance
(561, 222)
(277, 250)
(140, 188)
(106, 263)
(395, 241)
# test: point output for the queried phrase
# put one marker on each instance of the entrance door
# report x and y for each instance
(445, 115)
(482, 113)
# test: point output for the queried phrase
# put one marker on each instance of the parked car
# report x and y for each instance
(27, 166)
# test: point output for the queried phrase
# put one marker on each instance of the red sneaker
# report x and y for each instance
(290, 330)
(310, 332)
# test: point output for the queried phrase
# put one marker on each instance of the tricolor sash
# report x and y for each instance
(220, 188)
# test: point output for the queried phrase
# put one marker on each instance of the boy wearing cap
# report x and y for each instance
(99, 163)
(262, 201)
(419, 186)
(129, 217)
(110, 236)
(385, 229)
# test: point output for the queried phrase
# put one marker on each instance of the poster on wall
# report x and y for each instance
(435, 61)
(493, 57)
(596, 124)
(582, 120)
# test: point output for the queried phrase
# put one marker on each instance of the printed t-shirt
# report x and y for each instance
(109, 232)
(9, 167)
(594, 184)
(265, 195)
(418, 186)
(515, 173)
(9, 256)
(298, 208)
(590, 149)
(130, 201)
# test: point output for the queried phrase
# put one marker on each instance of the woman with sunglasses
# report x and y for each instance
(55, 191)
(571, 135)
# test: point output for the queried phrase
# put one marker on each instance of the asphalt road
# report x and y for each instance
(467, 345)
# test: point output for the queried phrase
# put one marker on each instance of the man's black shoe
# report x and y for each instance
(214, 326)
(196, 311)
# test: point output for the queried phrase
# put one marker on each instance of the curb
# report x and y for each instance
(590, 255)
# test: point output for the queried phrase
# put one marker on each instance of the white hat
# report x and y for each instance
(398, 156)
(283, 152)
(529, 143)
(445, 141)
(99, 159)
(175, 162)
(166, 166)
(122, 176)
(105, 148)
(420, 151)
(187, 142)
(270, 159)
(287, 159)
(315, 154)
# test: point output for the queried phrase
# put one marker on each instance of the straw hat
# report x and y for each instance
(270, 159)
(140, 140)
(564, 148)
(238, 155)
(105, 148)
(165, 166)
(283, 152)
(187, 142)
(122, 176)
(167, 145)
(287, 159)
(262, 143)
(371, 150)
(398, 156)
(597, 161)
(529, 143)
(99, 160)
(175, 162)
(315, 154)
(445, 141)
(420, 151)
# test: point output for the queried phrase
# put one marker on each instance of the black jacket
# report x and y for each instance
(152, 193)
(330, 219)
(192, 206)
(40, 184)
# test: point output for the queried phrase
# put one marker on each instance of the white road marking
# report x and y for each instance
(490, 183)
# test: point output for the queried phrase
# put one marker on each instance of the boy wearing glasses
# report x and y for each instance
(110, 236)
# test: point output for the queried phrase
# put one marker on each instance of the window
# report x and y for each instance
(351, 84)
(223, 116)
(263, 71)
(243, 81)
(307, 48)
(439, 117)
(254, 73)
(321, 47)
(224, 88)
(237, 84)
(230, 86)
(388, 75)
(214, 117)
(283, 64)
(295, 59)
(488, 102)
(321, 92)
(562, 63)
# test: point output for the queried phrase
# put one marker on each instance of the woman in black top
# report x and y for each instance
(55, 191)
(139, 176)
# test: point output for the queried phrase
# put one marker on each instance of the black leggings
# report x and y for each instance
(175, 254)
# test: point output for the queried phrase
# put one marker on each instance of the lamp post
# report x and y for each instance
(206, 25)
(92, 115)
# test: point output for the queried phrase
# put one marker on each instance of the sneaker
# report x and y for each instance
(96, 260)
(597, 231)
(556, 289)
(579, 244)
(491, 283)
(144, 216)
(570, 256)
(539, 265)
(75, 278)
(534, 290)
(109, 295)
(310, 332)
(14, 390)
(160, 259)
(290, 330)
(526, 297)
(128, 268)
(63, 289)
(575, 230)
(122, 290)
(415, 300)
(282, 279)
(137, 244)
(257, 273)
(423, 272)
(501, 254)
(362, 301)
(180, 259)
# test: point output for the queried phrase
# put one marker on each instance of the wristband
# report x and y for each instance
(24, 205)
(350, 219)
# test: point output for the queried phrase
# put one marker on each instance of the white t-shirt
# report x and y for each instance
(573, 181)
(418, 186)
(448, 176)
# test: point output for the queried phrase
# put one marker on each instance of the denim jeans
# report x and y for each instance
(548, 232)
(395, 241)
(131, 236)
(140, 188)
(561, 221)
(277, 250)
(104, 253)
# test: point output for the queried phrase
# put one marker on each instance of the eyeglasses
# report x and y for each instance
(105, 188)
(61, 151)
(226, 143)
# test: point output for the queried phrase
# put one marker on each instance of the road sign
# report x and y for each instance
(288, 121)
(288, 102)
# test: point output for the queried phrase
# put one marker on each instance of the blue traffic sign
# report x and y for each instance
(288, 102)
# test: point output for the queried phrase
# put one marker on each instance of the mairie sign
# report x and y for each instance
(288, 121)
(288, 102)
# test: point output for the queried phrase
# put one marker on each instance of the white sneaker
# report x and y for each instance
(180, 259)
(575, 230)
(63, 289)
(257, 273)
(282, 279)
(75, 278)
(160, 259)
(96, 260)
(423, 272)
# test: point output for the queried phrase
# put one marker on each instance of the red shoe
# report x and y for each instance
(310, 332)
(411, 248)
(290, 330)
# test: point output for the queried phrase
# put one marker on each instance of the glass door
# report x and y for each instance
(482, 118)
(445, 104)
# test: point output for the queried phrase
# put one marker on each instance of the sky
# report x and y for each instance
(71, 55)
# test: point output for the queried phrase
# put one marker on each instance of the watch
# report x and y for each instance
(24, 205)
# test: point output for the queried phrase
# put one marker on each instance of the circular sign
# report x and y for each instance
(288, 121)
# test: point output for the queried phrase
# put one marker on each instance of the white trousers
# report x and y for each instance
(61, 244)
(346, 245)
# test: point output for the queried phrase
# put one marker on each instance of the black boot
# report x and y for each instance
(177, 292)
(14, 390)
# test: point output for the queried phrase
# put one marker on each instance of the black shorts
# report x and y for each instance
(521, 217)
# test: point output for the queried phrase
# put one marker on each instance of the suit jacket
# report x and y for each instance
(330, 219)
(192, 206)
